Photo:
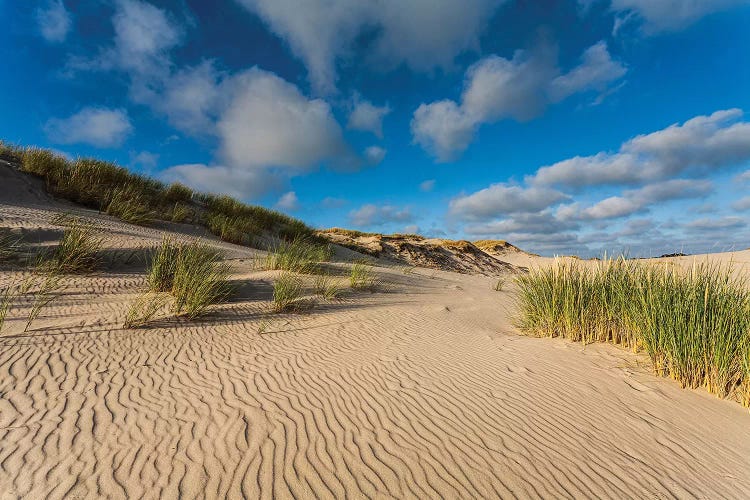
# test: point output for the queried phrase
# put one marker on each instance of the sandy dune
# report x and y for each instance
(423, 391)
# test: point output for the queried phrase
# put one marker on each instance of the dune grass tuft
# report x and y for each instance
(694, 324)
(287, 293)
(362, 277)
(200, 280)
(499, 285)
(194, 273)
(78, 251)
(327, 287)
(130, 206)
(144, 308)
(301, 255)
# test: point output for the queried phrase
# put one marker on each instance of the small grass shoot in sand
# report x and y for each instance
(499, 284)
(361, 276)
(327, 287)
(144, 308)
(78, 250)
(694, 324)
(10, 245)
(287, 293)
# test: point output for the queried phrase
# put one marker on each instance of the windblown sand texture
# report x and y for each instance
(421, 391)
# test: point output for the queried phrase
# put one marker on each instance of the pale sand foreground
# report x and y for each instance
(424, 391)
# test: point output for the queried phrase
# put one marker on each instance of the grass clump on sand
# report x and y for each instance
(144, 308)
(694, 324)
(301, 255)
(193, 273)
(499, 285)
(361, 276)
(287, 293)
(327, 287)
(78, 251)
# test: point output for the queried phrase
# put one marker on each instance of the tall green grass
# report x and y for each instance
(694, 324)
(78, 251)
(301, 255)
(287, 293)
(194, 273)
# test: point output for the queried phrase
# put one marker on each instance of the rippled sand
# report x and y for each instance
(420, 391)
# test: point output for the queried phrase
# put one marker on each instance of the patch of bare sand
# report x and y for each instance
(422, 392)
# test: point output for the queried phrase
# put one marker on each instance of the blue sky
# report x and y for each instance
(570, 126)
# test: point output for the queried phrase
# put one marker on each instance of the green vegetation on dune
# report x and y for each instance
(694, 324)
(140, 200)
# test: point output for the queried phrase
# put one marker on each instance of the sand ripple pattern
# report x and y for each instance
(424, 393)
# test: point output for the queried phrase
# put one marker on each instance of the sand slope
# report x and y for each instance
(422, 392)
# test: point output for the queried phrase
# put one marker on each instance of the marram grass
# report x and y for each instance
(694, 324)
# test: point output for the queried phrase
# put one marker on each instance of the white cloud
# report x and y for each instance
(503, 199)
(596, 71)
(669, 15)
(320, 32)
(496, 88)
(374, 155)
(742, 204)
(192, 97)
(412, 229)
(719, 223)
(54, 21)
(639, 200)
(288, 202)
(701, 145)
(427, 186)
(100, 127)
(221, 179)
(269, 123)
(144, 36)
(378, 215)
(367, 117)
(145, 159)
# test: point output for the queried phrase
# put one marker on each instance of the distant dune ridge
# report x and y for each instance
(418, 386)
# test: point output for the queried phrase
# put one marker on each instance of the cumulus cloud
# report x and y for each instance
(221, 179)
(54, 21)
(144, 35)
(503, 199)
(639, 200)
(320, 32)
(99, 127)
(596, 71)
(378, 215)
(367, 117)
(700, 145)
(269, 123)
(289, 202)
(497, 88)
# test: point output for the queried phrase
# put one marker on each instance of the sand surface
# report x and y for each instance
(424, 390)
